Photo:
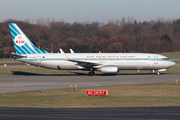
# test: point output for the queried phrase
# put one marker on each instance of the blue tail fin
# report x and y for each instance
(21, 43)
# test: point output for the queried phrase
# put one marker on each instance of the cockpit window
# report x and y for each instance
(165, 59)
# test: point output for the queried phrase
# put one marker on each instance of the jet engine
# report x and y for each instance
(109, 69)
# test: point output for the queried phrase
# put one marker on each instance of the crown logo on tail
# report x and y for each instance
(20, 40)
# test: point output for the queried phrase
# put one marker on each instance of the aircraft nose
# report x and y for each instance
(173, 63)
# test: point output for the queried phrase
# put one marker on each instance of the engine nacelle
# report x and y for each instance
(109, 69)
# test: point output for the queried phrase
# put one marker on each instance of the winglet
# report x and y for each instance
(61, 51)
(71, 51)
(64, 55)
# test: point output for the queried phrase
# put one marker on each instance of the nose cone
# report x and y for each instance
(172, 63)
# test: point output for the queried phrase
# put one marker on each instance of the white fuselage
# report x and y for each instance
(124, 61)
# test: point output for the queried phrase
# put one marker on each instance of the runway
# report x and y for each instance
(37, 82)
(162, 113)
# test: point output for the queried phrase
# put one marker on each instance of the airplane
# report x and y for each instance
(107, 63)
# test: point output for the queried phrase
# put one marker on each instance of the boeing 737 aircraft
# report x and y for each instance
(108, 63)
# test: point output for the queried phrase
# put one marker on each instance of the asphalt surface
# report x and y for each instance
(154, 113)
(40, 82)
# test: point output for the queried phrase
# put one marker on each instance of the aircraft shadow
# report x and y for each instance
(78, 74)
(73, 74)
(141, 73)
(35, 74)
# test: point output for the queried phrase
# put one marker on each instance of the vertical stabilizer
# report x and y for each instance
(21, 43)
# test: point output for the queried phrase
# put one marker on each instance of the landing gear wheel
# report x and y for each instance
(91, 73)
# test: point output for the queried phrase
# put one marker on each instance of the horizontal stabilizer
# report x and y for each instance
(17, 55)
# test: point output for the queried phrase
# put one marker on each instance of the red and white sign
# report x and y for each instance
(20, 40)
(96, 92)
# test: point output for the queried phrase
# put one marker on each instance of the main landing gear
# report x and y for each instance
(91, 73)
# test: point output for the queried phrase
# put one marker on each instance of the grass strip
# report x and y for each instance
(145, 95)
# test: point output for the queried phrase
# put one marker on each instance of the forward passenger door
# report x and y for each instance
(155, 60)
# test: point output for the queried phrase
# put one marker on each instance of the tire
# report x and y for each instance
(90, 73)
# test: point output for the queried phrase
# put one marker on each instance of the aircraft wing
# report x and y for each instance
(86, 63)
(81, 63)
